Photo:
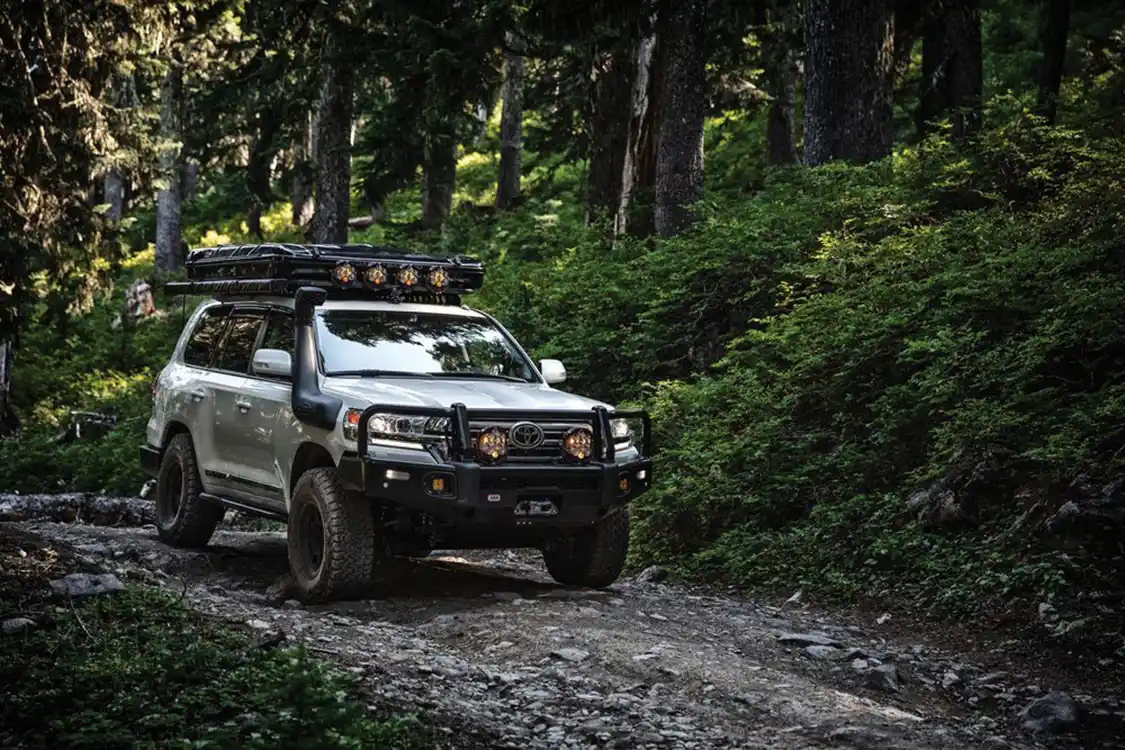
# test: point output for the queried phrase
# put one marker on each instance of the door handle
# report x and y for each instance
(197, 396)
(243, 406)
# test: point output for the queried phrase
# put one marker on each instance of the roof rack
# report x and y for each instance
(345, 271)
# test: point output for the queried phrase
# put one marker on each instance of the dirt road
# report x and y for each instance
(498, 656)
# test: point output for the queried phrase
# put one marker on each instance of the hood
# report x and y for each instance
(474, 394)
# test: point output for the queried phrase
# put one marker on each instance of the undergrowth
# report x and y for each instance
(139, 669)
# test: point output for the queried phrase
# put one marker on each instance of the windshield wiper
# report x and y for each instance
(376, 374)
(509, 378)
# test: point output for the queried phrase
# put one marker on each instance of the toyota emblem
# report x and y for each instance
(526, 435)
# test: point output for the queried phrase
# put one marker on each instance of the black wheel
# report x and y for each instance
(331, 539)
(591, 557)
(183, 518)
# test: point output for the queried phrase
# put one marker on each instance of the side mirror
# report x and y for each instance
(553, 371)
(273, 363)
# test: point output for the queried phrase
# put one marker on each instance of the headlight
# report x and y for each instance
(492, 445)
(622, 433)
(579, 443)
(395, 427)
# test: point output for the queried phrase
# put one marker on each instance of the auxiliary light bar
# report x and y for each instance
(343, 270)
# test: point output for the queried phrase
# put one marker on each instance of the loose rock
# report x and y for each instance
(884, 677)
(820, 653)
(16, 625)
(653, 574)
(570, 654)
(82, 585)
(807, 639)
(1055, 712)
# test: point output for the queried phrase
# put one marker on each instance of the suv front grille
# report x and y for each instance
(549, 450)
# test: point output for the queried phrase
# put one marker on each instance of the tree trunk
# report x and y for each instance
(168, 235)
(511, 127)
(1054, 26)
(638, 170)
(849, 80)
(114, 194)
(781, 121)
(303, 174)
(7, 418)
(908, 26)
(258, 170)
(440, 167)
(190, 179)
(679, 153)
(952, 72)
(333, 158)
(608, 130)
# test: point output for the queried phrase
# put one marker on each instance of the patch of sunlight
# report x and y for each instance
(141, 259)
(547, 220)
(104, 386)
(474, 159)
(276, 221)
(212, 238)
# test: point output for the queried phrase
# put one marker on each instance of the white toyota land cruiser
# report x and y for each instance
(301, 349)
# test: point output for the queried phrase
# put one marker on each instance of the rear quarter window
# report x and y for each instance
(203, 345)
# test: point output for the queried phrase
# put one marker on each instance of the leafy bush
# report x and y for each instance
(141, 670)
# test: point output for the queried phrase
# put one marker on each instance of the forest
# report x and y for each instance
(861, 259)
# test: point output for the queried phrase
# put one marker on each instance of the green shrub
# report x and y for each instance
(141, 670)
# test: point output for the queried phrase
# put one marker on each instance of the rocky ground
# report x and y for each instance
(496, 655)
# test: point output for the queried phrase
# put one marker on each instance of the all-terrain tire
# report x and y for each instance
(593, 556)
(183, 518)
(331, 539)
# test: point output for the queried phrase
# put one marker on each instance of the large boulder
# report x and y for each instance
(1090, 514)
(976, 481)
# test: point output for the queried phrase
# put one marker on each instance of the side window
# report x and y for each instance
(204, 342)
(279, 331)
(242, 333)
(279, 334)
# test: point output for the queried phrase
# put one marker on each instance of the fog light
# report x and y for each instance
(438, 484)
(400, 476)
(578, 443)
(438, 279)
(375, 275)
(344, 274)
(408, 276)
(492, 445)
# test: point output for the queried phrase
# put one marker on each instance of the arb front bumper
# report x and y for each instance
(452, 485)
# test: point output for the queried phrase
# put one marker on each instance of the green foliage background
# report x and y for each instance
(824, 342)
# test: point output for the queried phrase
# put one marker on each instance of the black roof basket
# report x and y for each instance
(344, 271)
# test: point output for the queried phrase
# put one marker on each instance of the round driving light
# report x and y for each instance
(375, 275)
(344, 274)
(578, 443)
(408, 276)
(437, 279)
(492, 444)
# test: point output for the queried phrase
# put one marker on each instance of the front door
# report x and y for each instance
(270, 411)
(234, 412)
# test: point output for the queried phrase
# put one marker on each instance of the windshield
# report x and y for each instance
(386, 342)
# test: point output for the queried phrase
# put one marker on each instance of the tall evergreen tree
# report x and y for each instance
(952, 69)
(679, 152)
(1054, 29)
(849, 77)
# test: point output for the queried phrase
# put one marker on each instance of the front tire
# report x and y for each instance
(594, 556)
(183, 518)
(331, 539)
